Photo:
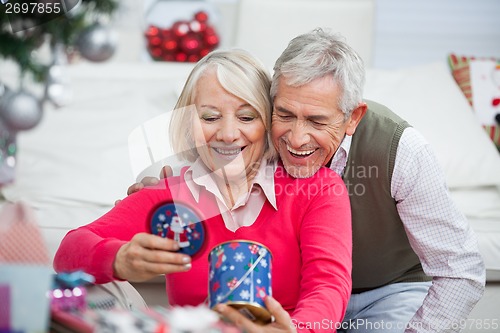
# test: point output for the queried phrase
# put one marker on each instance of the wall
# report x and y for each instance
(411, 32)
(407, 32)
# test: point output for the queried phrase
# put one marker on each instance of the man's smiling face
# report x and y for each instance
(308, 126)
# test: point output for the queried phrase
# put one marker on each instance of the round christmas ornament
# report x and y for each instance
(240, 276)
(180, 223)
(20, 110)
(97, 43)
(191, 43)
(181, 31)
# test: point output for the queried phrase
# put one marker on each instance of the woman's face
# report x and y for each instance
(229, 133)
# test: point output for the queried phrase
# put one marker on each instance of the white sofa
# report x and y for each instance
(76, 163)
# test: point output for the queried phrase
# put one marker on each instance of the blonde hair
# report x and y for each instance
(240, 74)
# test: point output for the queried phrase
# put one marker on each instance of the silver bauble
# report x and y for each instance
(20, 110)
(74, 8)
(97, 43)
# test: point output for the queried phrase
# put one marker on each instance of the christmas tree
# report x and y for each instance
(25, 27)
(67, 25)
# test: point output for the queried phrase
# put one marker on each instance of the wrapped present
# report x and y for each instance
(68, 292)
(25, 272)
(145, 320)
(179, 319)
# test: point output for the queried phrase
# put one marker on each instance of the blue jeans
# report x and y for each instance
(385, 309)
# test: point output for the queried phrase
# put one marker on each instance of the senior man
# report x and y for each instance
(416, 263)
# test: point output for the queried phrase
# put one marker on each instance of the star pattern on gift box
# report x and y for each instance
(184, 41)
(239, 257)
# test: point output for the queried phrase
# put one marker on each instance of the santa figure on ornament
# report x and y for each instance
(178, 231)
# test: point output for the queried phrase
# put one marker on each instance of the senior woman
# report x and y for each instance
(221, 124)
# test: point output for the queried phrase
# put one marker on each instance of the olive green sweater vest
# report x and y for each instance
(381, 251)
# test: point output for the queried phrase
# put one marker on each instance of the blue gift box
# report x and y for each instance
(26, 307)
(240, 275)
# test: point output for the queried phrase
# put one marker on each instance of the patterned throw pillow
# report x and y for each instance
(460, 69)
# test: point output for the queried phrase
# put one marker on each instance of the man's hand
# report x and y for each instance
(146, 181)
(282, 324)
(147, 256)
(165, 172)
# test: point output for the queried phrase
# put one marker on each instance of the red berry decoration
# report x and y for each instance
(184, 41)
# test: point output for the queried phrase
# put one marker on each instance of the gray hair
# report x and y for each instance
(240, 74)
(317, 54)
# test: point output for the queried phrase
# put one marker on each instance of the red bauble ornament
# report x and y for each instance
(156, 52)
(191, 43)
(193, 58)
(181, 57)
(152, 31)
(203, 27)
(170, 45)
(210, 30)
(211, 40)
(183, 41)
(154, 41)
(168, 57)
(195, 26)
(166, 33)
(201, 16)
(181, 28)
(204, 52)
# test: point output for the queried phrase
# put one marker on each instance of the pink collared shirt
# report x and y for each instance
(248, 206)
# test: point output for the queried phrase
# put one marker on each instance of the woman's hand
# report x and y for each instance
(282, 323)
(147, 256)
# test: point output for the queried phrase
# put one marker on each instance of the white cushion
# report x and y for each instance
(430, 100)
(266, 26)
(481, 205)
